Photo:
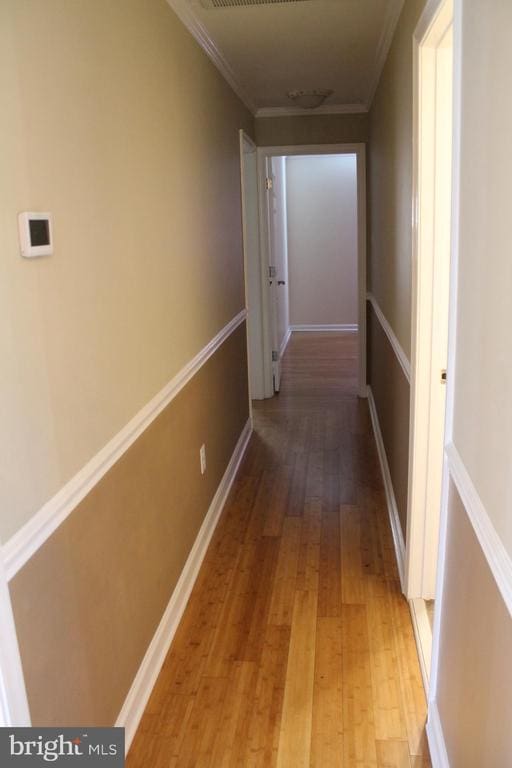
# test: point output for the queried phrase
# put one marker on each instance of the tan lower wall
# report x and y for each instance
(311, 129)
(391, 392)
(88, 602)
(475, 664)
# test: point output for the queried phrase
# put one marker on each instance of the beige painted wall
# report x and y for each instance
(89, 601)
(321, 194)
(115, 121)
(390, 245)
(391, 393)
(475, 666)
(483, 406)
(311, 129)
(474, 694)
(390, 180)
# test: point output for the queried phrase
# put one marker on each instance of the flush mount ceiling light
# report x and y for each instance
(213, 4)
(309, 99)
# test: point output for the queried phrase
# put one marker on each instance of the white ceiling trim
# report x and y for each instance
(326, 109)
(388, 30)
(187, 16)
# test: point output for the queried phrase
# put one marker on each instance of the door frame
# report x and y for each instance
(265, 153)
(420, 548)
(254, 323)
(452, 349)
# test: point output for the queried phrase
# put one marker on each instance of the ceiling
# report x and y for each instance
(268, 49)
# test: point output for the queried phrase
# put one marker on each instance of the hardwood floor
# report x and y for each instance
(296, 648)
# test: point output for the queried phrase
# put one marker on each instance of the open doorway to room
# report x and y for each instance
(432, 200)
(312, 274)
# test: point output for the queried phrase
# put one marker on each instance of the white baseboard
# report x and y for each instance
(145, 679)
(423, 635)
(436, 743)
(344, 328)
(23, 544)
(394, 518)
(285, 341)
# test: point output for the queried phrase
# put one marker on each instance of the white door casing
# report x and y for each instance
(432, 149)
(252, 265)
(269, 312)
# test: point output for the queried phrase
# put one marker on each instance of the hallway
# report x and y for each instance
(296, 648)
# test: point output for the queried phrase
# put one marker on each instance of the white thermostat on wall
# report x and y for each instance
(35, 231)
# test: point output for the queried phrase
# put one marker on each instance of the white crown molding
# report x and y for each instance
(25, 542)
(186, 15)
(393, 11)
(347, 328)
(325, 109)
(397, 347)
(498, 559)
(394, 518)
(147, 674)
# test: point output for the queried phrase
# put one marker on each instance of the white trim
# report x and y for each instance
(289, 150)
(341, 328)
(430, 311)
(394, 519)
(427, 18)
(389, 24)
(423, 635)
(25, 542)
(497, 556)
(185, 13)
(452, 332)
(325, 109)
(436, 742)
(285, 341)
(361, 269)
(359, 150)
(397, 347)
(254, 320)
(14, 709)
(147, 674)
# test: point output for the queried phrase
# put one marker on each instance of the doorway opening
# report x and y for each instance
(311, 272)
(432, 196)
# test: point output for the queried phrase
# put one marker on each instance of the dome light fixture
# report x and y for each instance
(309, 99)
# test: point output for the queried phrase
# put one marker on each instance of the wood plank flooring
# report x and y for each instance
(296, 648)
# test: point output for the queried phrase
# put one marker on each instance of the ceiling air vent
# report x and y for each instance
(212, 4)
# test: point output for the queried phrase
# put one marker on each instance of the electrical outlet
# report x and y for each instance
(202, 458)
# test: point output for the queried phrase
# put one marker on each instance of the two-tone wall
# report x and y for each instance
(473, 696)
(390, 251)
(115, 121)
(471, 700)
